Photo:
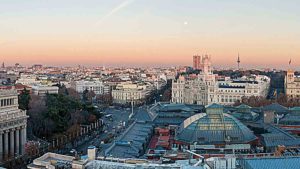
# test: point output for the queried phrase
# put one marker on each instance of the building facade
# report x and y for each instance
(205, 89)
(127, 93)
(13, 123)
(292, 84)
(196, 62)
(96, 86)
(42, 90)
(28, 79)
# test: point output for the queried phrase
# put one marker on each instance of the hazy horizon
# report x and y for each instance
(139, 32)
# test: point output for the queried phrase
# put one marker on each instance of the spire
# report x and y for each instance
(238, 61)
(3, 65)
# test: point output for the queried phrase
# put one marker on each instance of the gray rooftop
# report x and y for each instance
(132, 142)
(271, 163)
(277, 137)
(206, 129)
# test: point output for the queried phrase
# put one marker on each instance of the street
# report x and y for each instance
(113, 126)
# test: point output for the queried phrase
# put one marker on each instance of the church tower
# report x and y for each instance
(207, 69)
(290, 77)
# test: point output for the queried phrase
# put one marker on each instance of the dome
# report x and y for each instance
(214, 127)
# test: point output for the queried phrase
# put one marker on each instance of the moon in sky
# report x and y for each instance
(185, 23)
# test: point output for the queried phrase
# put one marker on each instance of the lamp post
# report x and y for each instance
(131, 114)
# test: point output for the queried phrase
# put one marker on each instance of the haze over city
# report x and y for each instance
(150, 33)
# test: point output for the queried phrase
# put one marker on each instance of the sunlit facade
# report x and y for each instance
(12, 126)
(292, 84)
(206, 89)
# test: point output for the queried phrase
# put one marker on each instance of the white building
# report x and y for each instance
(205, 89)
(228, 92)
(96, 86)
(292, 84)
(28, 80)
(13, 122)
(42, 90)
(125, 93)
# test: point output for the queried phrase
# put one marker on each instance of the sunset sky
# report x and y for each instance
(266, 33)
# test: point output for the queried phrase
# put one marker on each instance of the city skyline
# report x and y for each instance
(136, 32)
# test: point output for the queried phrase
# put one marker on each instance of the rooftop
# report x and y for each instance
(277, 137)
(210, 129)
(268, 163)
(132, 142)
(277, 108)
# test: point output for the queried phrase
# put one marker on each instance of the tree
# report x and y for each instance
(72, 93)
(167, 95)
(24, 99)
(105, 99)
(62, 90)
(36, 112)
(55, 114)
(87, 96)
(253, 101)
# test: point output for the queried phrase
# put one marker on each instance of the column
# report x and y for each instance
(1, 146)
(6, 144)
(57, 142)
(17, 141)
(62, 140)
(23, 139)
(12, 143)
(53, 143)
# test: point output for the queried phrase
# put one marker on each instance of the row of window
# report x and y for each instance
(298, 91)
(7, 102)
(228, 100)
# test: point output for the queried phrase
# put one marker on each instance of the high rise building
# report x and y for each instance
(201, 62)
(196, 62)
(13, 123)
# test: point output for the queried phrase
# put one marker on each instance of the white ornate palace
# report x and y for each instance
(12, 126)
(207, 89)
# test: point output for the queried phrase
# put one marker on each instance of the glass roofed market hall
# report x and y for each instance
(214, 127)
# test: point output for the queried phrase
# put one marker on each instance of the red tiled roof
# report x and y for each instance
(164, 138)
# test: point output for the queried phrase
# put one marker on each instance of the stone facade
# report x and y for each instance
(96, 86)
(292, 84)
(13, 123)
(205, 89)
(127, 93)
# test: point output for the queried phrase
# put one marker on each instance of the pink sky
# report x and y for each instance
(128, 32)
